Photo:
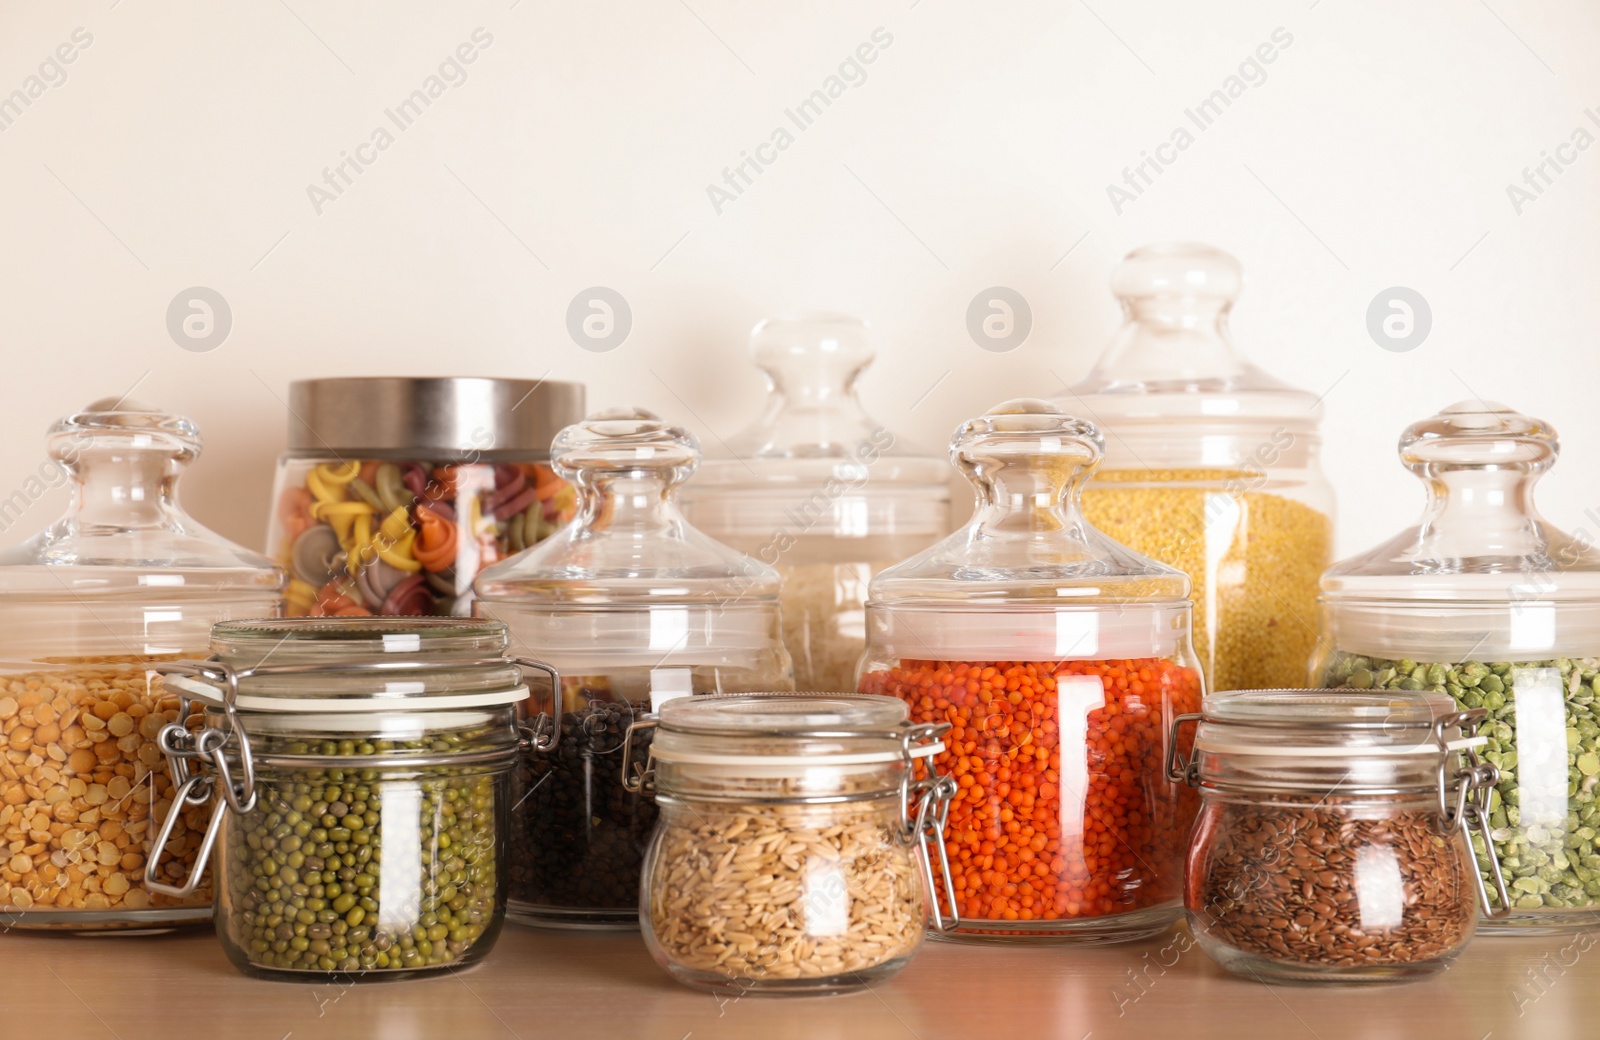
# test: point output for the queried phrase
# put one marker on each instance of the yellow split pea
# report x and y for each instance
(1255, 559)
(83, 788)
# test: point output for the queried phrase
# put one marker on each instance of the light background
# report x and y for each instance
(977, 153)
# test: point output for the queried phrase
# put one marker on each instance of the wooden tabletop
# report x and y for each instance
(567, 985)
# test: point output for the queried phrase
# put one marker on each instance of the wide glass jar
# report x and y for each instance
(125, 580)
(396, 491)
(1332, 839)
(1485, 601)
(629, 606)
(358, 775)
(1059, 658)
(1211, 466)
(792, 853)
(821, 491)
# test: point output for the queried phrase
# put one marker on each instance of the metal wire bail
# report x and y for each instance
(1469, 807)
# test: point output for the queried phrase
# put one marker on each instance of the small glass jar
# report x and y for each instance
(1332, 839)
(396, 491)
(125, 580)
(630, 606)
(1059, 657)
(359, 771)
(1212, 465)
(792, 852)
(1487, 602)
(821, 491)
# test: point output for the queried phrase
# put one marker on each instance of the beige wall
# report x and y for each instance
(178, 150)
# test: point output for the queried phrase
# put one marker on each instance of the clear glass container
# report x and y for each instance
(630, 606)
(792, 852)
(396, 491)
(1060, 658)
(1485, 601)
(821, 491)
(358, 777)
(1332, 839)
(1211, 466)
(124, 580)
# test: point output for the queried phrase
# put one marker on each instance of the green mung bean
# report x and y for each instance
(351, 871)
(1550, 852)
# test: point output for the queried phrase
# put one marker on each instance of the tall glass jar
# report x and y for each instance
(357, 773)
(1332, 839)
(1211, 466)
(1485, 601)
(792, 851)
(821, 491)
(1059, 657)
(124, 580)
(630, 606)
(397, 490)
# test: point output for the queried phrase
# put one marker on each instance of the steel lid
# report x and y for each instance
(432, 416)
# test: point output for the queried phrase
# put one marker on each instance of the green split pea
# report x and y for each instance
(1545, 818)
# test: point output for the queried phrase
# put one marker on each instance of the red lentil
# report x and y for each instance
(1041, 830)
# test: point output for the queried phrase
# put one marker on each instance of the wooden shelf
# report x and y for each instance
(540, 984)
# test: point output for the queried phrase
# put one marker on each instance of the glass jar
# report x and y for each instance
(792, 853)
(1211, 466)
(630, 606)
(819, 490)
(359, 773)
(1059, 657)
(1332, 839)
(396, 491)
(1487, 602)
(124, 580)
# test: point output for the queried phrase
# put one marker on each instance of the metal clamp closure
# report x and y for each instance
(1469, 808)
(543, 732)
(925, 807)
(639, 778)
(182, 747)
(1188, 772)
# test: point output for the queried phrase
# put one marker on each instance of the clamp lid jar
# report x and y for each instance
(1484, 601)
(1332, 842)
(124, 580)
(798, 838)
(820, 490)
(359, 773)
(1059, 657)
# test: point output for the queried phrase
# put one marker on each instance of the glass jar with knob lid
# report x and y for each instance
(1212, 465)
(125, 580)
(631, 606)
(1059, 657)
(821, 491)
(1486, 602)
(1332, 842)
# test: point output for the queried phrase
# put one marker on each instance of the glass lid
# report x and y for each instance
(767, 714)
(1028, 577)
(1173, 359)
(1481, 574)
(628, 545)
(812, 433)
(125, 532)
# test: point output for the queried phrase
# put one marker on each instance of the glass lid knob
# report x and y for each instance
(1478, 434)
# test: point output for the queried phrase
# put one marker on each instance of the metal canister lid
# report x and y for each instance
(430, 416)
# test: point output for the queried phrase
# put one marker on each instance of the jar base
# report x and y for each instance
(1540, 922)
(1261, 969)
(569, 918)
(105, 922)
(744, 986)
(1092, 931)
